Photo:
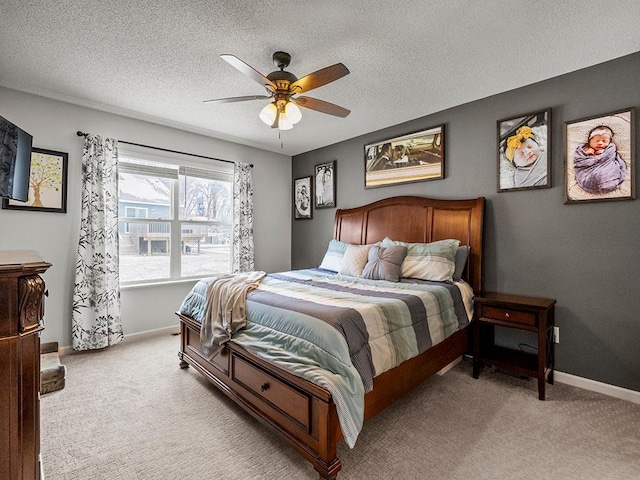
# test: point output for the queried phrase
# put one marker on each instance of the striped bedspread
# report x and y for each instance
(340, 332)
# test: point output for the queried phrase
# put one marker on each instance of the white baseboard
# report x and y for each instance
(599, 387)
(450, 366)
(131, 337)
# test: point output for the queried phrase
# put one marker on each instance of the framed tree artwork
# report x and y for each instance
(47, 183)
(325, 179)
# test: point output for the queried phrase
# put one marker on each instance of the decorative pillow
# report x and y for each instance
(354, 260)
(462, 254)
(385, 263)
(333, 257)
(433, 261)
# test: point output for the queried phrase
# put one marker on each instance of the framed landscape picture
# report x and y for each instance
(599, 156)
(325, 178)
(302, 198)
(47, 183)
(415, 157)
(524, 151)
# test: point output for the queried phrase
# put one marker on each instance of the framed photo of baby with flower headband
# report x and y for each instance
(599, 158)
(524, 152)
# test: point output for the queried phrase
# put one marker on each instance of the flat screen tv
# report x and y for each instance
(15, 161)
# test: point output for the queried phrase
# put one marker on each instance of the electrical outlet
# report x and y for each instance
(556, 334)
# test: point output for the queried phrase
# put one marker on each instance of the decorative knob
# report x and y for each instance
(264, 387)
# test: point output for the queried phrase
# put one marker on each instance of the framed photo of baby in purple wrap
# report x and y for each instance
(599, 158)
(524, 152)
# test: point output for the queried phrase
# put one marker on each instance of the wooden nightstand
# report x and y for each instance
(533, 314)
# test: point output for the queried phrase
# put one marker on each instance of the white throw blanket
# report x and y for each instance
(226, 312)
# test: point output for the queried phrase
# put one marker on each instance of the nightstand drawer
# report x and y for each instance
(508, 315)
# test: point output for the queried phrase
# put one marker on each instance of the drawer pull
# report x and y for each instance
(264, 387)
(507, 314)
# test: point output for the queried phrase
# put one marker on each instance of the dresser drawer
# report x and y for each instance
(284, 398)
(508, 315)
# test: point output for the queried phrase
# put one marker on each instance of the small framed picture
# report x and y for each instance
(302, 198)
(325, 176)
(47, 183)
(599, 158)
(414, 157)
(524, 152)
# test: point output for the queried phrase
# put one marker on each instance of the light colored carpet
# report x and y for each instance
(129, 412)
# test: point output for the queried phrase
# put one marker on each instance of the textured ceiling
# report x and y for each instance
(158, 60)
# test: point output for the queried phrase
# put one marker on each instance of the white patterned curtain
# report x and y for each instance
(96, 295)
(243, 255)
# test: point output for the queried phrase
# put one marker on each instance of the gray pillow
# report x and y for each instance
(461, 261)
(385, 263)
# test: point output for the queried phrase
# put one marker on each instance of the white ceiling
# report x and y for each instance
(158, 60)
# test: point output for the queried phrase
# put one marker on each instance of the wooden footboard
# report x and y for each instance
(301, 411)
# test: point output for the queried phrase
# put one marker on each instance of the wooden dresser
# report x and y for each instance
(22, 293)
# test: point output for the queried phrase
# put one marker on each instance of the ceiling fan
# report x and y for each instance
(284, 87)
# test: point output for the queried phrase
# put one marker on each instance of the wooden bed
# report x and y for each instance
(303, 413)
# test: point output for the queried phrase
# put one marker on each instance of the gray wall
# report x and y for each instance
(586, 256)
(53, 125)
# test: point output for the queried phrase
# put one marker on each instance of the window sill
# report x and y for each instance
(163, 283)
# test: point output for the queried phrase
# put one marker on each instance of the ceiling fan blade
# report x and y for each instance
(319, 78)
(321, 106)
(249, 71)
(237, 99)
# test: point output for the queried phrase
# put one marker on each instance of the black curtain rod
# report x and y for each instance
(82, 134)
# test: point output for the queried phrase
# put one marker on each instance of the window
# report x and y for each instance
(174, 220)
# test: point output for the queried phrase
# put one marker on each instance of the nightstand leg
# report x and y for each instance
(476, 348)
(541, 388)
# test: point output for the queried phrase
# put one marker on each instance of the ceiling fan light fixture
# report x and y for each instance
(268, 113)
(281, 86)
(283, 123)
(292, 113)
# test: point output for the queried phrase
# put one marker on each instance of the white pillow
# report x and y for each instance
(433, 261)
(333, 257)
(354, 260)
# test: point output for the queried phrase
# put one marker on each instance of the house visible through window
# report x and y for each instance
(174, 220)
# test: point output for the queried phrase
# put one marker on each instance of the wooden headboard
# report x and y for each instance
(418, 220)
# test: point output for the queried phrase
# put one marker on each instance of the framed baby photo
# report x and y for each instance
(302, 198)
(524, 151)
(325, 177)
(599, 158)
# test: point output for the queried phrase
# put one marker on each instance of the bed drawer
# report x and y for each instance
(508, 315)
(193, 347)
(278, 394)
